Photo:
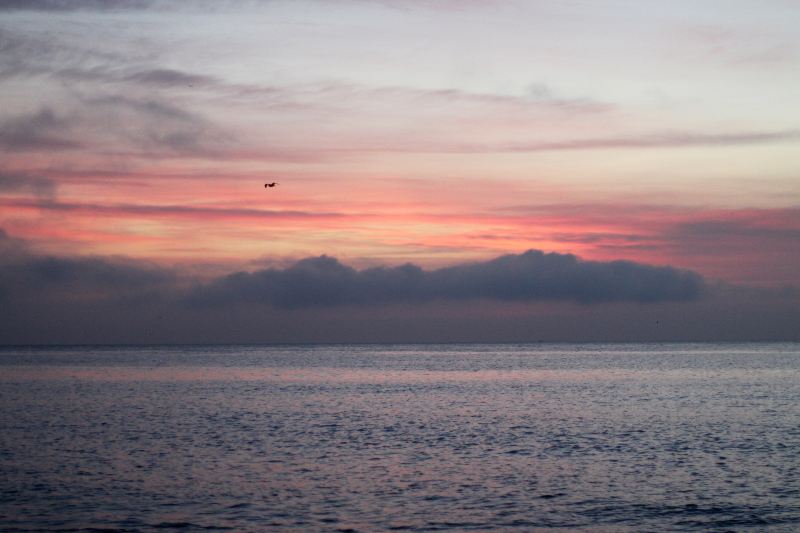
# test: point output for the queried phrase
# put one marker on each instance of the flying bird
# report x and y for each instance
(270, 184)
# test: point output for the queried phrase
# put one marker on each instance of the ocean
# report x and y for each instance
(449, 437)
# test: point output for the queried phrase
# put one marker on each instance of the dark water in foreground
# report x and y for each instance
(680, 437)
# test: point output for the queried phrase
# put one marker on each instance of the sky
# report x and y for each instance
(496, 170)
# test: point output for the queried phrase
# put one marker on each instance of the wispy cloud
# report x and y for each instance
(737, 229)
(172, 211)
(154, 125)
(643, 141)
(73, 5)
(116, 123)
(42, 130)
(167, 77)
(39, 186)
(537, 99)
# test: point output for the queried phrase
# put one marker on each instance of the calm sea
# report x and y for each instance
(539, 437)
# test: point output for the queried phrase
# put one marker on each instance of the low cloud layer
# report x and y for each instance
(531, 296)
(324, 281)
(28, 276)
(531, 276)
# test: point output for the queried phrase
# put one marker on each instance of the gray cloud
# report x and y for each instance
(42, 130)
(41, 187)
(116, 123)
(150, 125)
(85, 274)
(600, 237)
(649, 140)
(155, 125)
(534, 275)
(515, 298)
(73, 5)
(111, 103)
(146, 106)
(741, 229)
(682, 139)
(713, 243)
(34, 54)
(10, 249)
(169, 77)
(324, 281)
(153, 77)
(542, 99)
(15, 53)
(173, 210)
(28, 276)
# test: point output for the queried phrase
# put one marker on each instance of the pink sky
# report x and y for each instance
(428, 131)
(431, 132)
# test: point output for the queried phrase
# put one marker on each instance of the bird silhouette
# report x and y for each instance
(270, 184)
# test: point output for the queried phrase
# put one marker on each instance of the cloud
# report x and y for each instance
(114, 123)
(15, 53)
(84, 274)
(324, 281)
(437, 5)
(647, 140)
(40, 54)
(541, 98)
(514, 298)
(593, 237)
(152, 77)
(28, 276)
(71, 61)
(169, 77)
(73, 5)
(173, 211)
(741, 229)
(107, 100)
(155, 126)
(42, 130)
(531, 276)
(146, 106)
(41, 187)
(10, 249)
(763, 245)
(115, 5)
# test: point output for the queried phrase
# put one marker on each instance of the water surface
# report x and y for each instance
(542, 437)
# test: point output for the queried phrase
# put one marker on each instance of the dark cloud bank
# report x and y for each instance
(526, 297)
(534, 275)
